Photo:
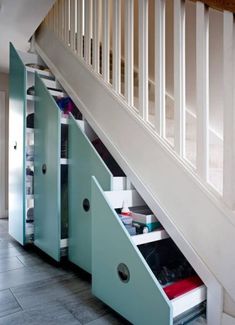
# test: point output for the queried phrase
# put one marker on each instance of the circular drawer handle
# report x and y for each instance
(44, 169)
(123, 272)
(86, 205)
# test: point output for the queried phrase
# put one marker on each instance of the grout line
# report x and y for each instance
(15, 299)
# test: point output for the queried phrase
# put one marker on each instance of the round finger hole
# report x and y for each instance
(86, 205)
(44, 169)
(123, 272)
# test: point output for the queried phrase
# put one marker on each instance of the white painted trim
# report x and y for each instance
(129, 51)
(96, 41)
(143, 59)
(117, 45)
(202, 86)
(80, 21)
(87, 35)
(160, 68)
(105, 40)
(72, 24)
(179, 76)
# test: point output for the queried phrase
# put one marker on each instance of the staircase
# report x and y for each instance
(172, 166)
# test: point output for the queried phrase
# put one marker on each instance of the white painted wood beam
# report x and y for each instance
(129, 51)
(160, 67)
(143, 59)
(202, 88)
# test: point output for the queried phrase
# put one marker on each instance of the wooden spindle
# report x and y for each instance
(105, 41)
(116, 68)
(129, 52)
(202, 88)
(179, 75)
(96, 40)
(143, 59)
(160, 69)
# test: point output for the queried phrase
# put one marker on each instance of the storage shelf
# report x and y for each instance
(188, 300)
(30, 97)
(40, 72)
(57, 93)
(29, 196)
(150, 237)
(63, 161)
(64, 120)
(29, 130)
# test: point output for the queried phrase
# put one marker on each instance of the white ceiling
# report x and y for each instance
(18, 21)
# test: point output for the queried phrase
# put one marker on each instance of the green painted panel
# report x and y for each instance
(17, 116)
(83, 163)
(47, 186)
(141, 300)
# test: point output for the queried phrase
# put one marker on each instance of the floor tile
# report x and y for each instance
(11, 251)
(52, 314)
(10, 263)
(8, 303)
(30, 260)
(47, 290)
(25, 275)
(109, 319)
(88, 310)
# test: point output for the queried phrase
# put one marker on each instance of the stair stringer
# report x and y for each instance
(182, 203)
(141, 300)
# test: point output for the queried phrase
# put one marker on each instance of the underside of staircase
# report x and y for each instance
(195, 218)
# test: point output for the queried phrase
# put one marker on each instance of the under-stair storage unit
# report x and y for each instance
(51, 170)
(84, 162)
(21, 143)
(123, 278)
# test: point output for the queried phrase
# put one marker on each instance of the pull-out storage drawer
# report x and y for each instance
(84, 162)
(121, 277)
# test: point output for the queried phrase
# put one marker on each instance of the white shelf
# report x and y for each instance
(64, 120)
(29, 130)
(57, 93)
(63, 161)
(30, 97)
(64, 243)
(150, 237)
(29, 196)
(188, 300)
(40, 72)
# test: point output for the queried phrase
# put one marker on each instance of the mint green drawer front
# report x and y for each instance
(141, 299)
(83, 163)
(47, 184)
(17, 116)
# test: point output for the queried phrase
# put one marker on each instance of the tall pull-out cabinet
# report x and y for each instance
(48, 168)
(21, 140)
(37, 149)
(17, 155)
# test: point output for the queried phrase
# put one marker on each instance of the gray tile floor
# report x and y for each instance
(36, 291)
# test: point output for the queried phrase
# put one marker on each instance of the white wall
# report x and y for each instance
(3, 144)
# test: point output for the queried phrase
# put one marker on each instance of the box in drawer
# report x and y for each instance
(143, 216)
